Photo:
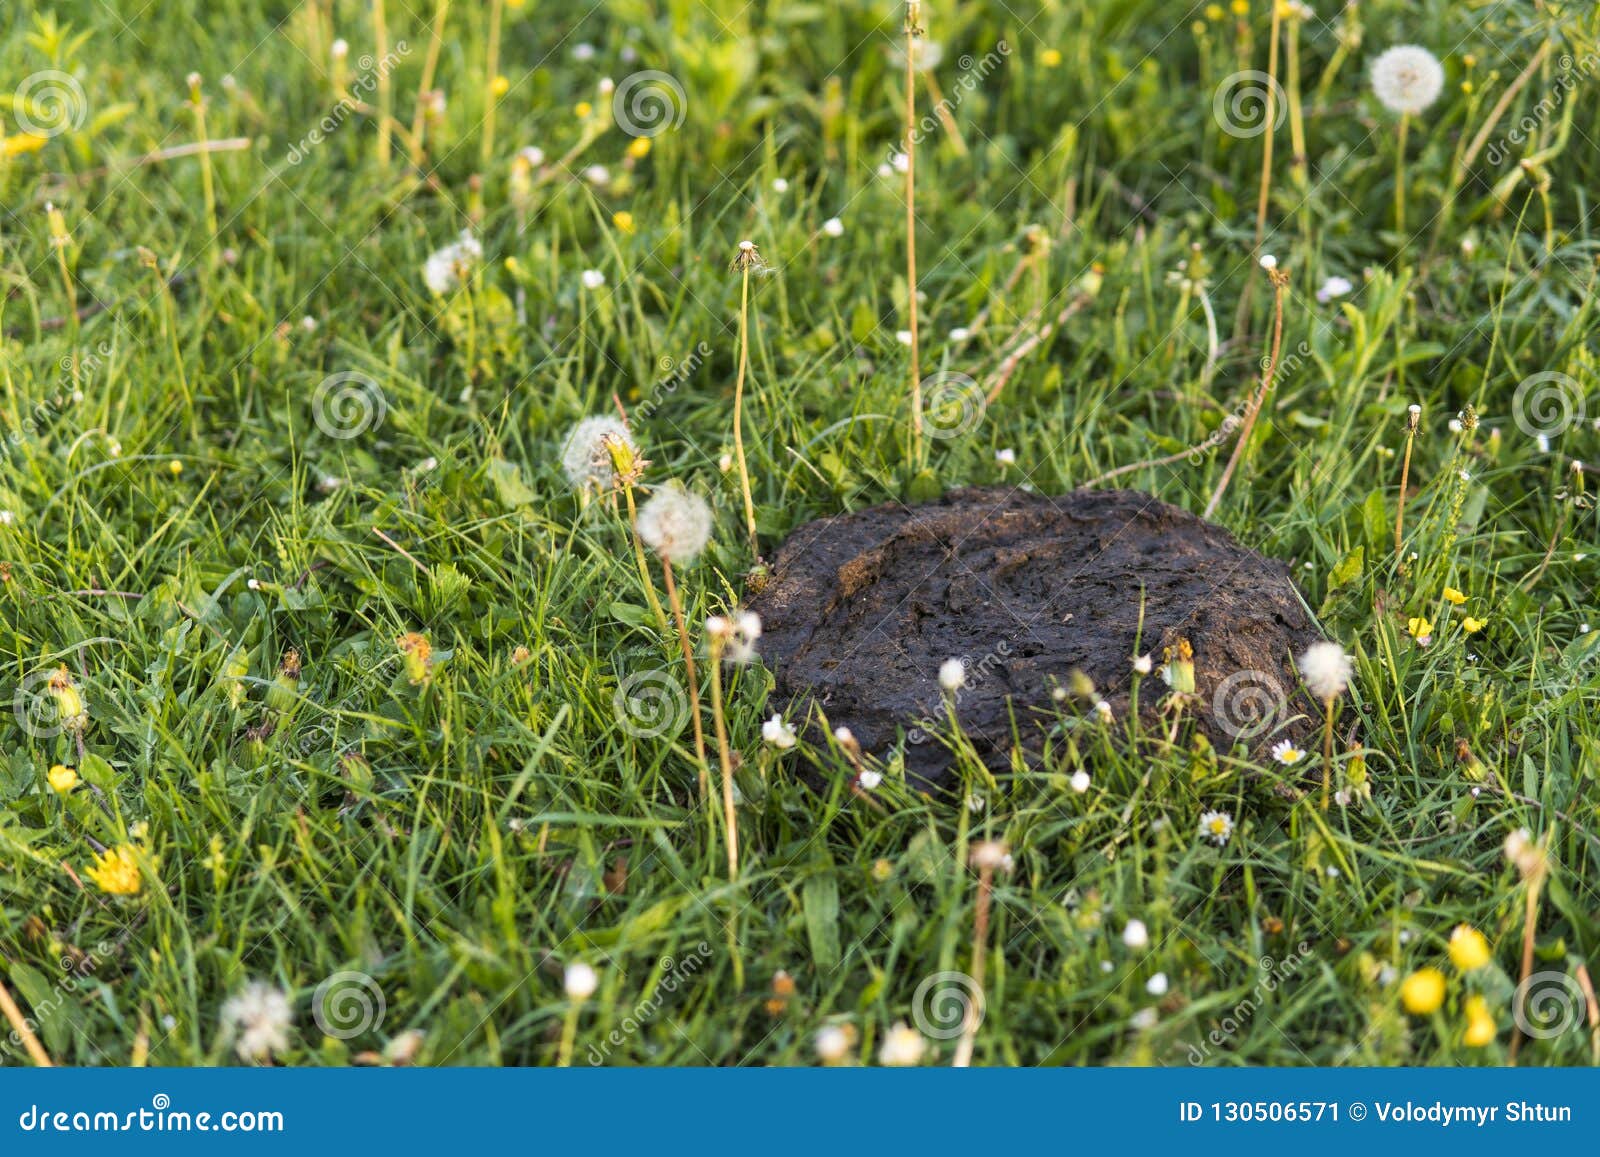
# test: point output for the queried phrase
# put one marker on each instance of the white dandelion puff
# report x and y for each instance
(585, 455)
(1326, 670)
(675, 524)
(256, 1019)
(1407, 79)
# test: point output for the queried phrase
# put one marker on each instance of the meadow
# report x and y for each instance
(348, 718)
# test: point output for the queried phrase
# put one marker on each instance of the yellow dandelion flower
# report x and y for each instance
(175, 467)
(1468, 948)
(1480, 1024)
(1240, 7)
(1050, 58)
(583, 110)
(623, 220)
(62, 779)
(1423, 991)
(499, 86)
(1214, 12)
(116, 872)
(1472, 626)
(1451, 595)
(22, 143)
(639, 147)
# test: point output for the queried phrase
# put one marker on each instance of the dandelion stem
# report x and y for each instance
(1327, 751)
(913, 11)
(1280, 282)
(569, 1035)
(689, 673)
(380, 34)
(430, 65)
(1400, 178)
(1405, 480)
(724, 760)
(492, 67)
(644, 567)
(24, 1032)
(1263, 198)
(980, 935)
(738, 410)
(1530, 921)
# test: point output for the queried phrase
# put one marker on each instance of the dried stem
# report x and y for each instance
(19, 1025)
(1280, 282)
(738, 410)
(725, 760)
(1405, 479)
(913, 12)
(688, 664)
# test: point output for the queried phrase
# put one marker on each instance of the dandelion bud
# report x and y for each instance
(71, 711)
(1413, 417)
(1179, 671)
(284, 690)
(416, 652)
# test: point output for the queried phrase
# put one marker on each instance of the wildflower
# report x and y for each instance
(583, 110)
(1145, 1019)
(623, 219)
(416, 652)
(21, 144)
(1136, 935)
(952, 675)
(748, 257)
(1103, 709)
(990, 855)
(597, 175)
(638, 148)
(833, 227)
(1333, 287)
(778, 733)
(1269, 262)
(1326, 670)
(899, 162)
(1179, 668)
(1407, 79)
(339, 49)
(1423, 991)
(1157, 984)
(1421, 630)
(1480, 1024)
(116, 872)
(62, 779)
(1468, 949)
(1050, 57)
(592, 279)
(447, 268)
(868, 780)
(175, 467)
(1079, 781)
(71, 711)
(1287, 753)
(833, 1043)
(675, 524)
(1007, 457)
(1525, 852)
(580, 981)
(902, 1047)
(960, 333)
(583, 51)
(257, 1020)
(976, 804)
(499, 86)
(1216, 826)
(779, 185)
(1471, 625)
(737, 635)
(587, 457)
(1451, 595)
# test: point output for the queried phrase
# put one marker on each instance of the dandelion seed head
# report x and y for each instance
(1407, 79)
(675, 524)
(585, 457)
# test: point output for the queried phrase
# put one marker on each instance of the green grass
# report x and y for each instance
(452, 841)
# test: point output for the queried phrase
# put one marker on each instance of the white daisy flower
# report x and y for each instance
(1216, 826)
(1287, 753)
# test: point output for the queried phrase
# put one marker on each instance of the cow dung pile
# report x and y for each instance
(862, 609)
